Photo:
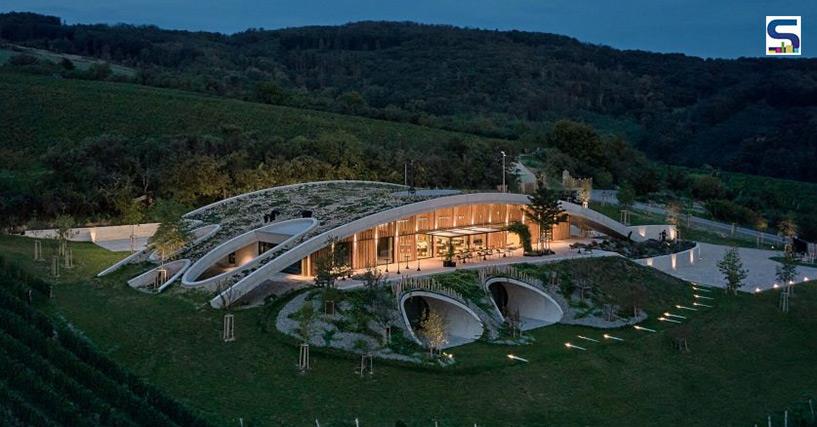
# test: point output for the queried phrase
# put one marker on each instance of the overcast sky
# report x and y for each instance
(713, 28)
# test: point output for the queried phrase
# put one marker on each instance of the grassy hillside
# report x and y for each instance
(39, 111)
(747, 360)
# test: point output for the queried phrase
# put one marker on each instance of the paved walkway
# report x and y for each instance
(761, 269)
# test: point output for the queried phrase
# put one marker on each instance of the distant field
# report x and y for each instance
(39, 111)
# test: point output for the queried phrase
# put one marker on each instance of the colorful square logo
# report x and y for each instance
(783, 35)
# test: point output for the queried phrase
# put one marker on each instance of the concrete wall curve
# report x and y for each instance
(462, 324)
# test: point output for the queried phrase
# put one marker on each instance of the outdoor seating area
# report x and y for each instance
(483, 254)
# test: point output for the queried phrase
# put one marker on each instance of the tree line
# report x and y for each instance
(741, 115)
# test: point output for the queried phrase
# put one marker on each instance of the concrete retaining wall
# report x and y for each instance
(98, 234)
(644, 232)
(673, 261)
(174, 271)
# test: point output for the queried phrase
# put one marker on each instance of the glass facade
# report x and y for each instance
(467, 228)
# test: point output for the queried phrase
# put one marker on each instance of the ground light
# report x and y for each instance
(677, 316)
(569, 345)
(701, 296)
(512, 357)
(448, 355)
(641, 328)
(697, 289)
(587, 338)
(757, 290)
(610, 337)
(697, 304)
(664, 319)
(683, 307)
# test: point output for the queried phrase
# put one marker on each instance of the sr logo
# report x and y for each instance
(783, 35)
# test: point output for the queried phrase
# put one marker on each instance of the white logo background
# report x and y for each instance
(793, 29)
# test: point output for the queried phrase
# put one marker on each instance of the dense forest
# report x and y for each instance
(97, 117)
(748, 115)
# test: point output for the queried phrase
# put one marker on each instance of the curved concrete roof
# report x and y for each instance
(595, 219)
(292, 228)
(547, 313)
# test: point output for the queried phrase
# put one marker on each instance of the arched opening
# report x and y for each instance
(460, 324)
(533, 307)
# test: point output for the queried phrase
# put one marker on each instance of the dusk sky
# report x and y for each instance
(696, 27)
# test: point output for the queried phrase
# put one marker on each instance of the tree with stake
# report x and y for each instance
(305, 316)
(65, 225)
(381, 302)
(788, 229)
(732, 269)
(172, 233)
(131, 211)
(432, 329)
(626, 198)
(786, 272)
(544, 209)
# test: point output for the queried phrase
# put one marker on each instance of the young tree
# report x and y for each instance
(130, 210)
(544, 209)
(626, 195)
(172, 233)
(432, 329)
(635, 297)
(787, 228)
(732, 269)
(65, 225)
(523, 232)
(381, 302)
(330, 265)
(305, 317)
(585, 192)
(786, 272)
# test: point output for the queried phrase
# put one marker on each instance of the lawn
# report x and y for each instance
(746, 361)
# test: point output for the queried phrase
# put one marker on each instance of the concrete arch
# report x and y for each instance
(594, 219)
(278, 234)
(174, 271)
(536, 308)
(462, 324)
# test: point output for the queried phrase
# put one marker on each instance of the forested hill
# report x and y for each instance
(751, 115)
